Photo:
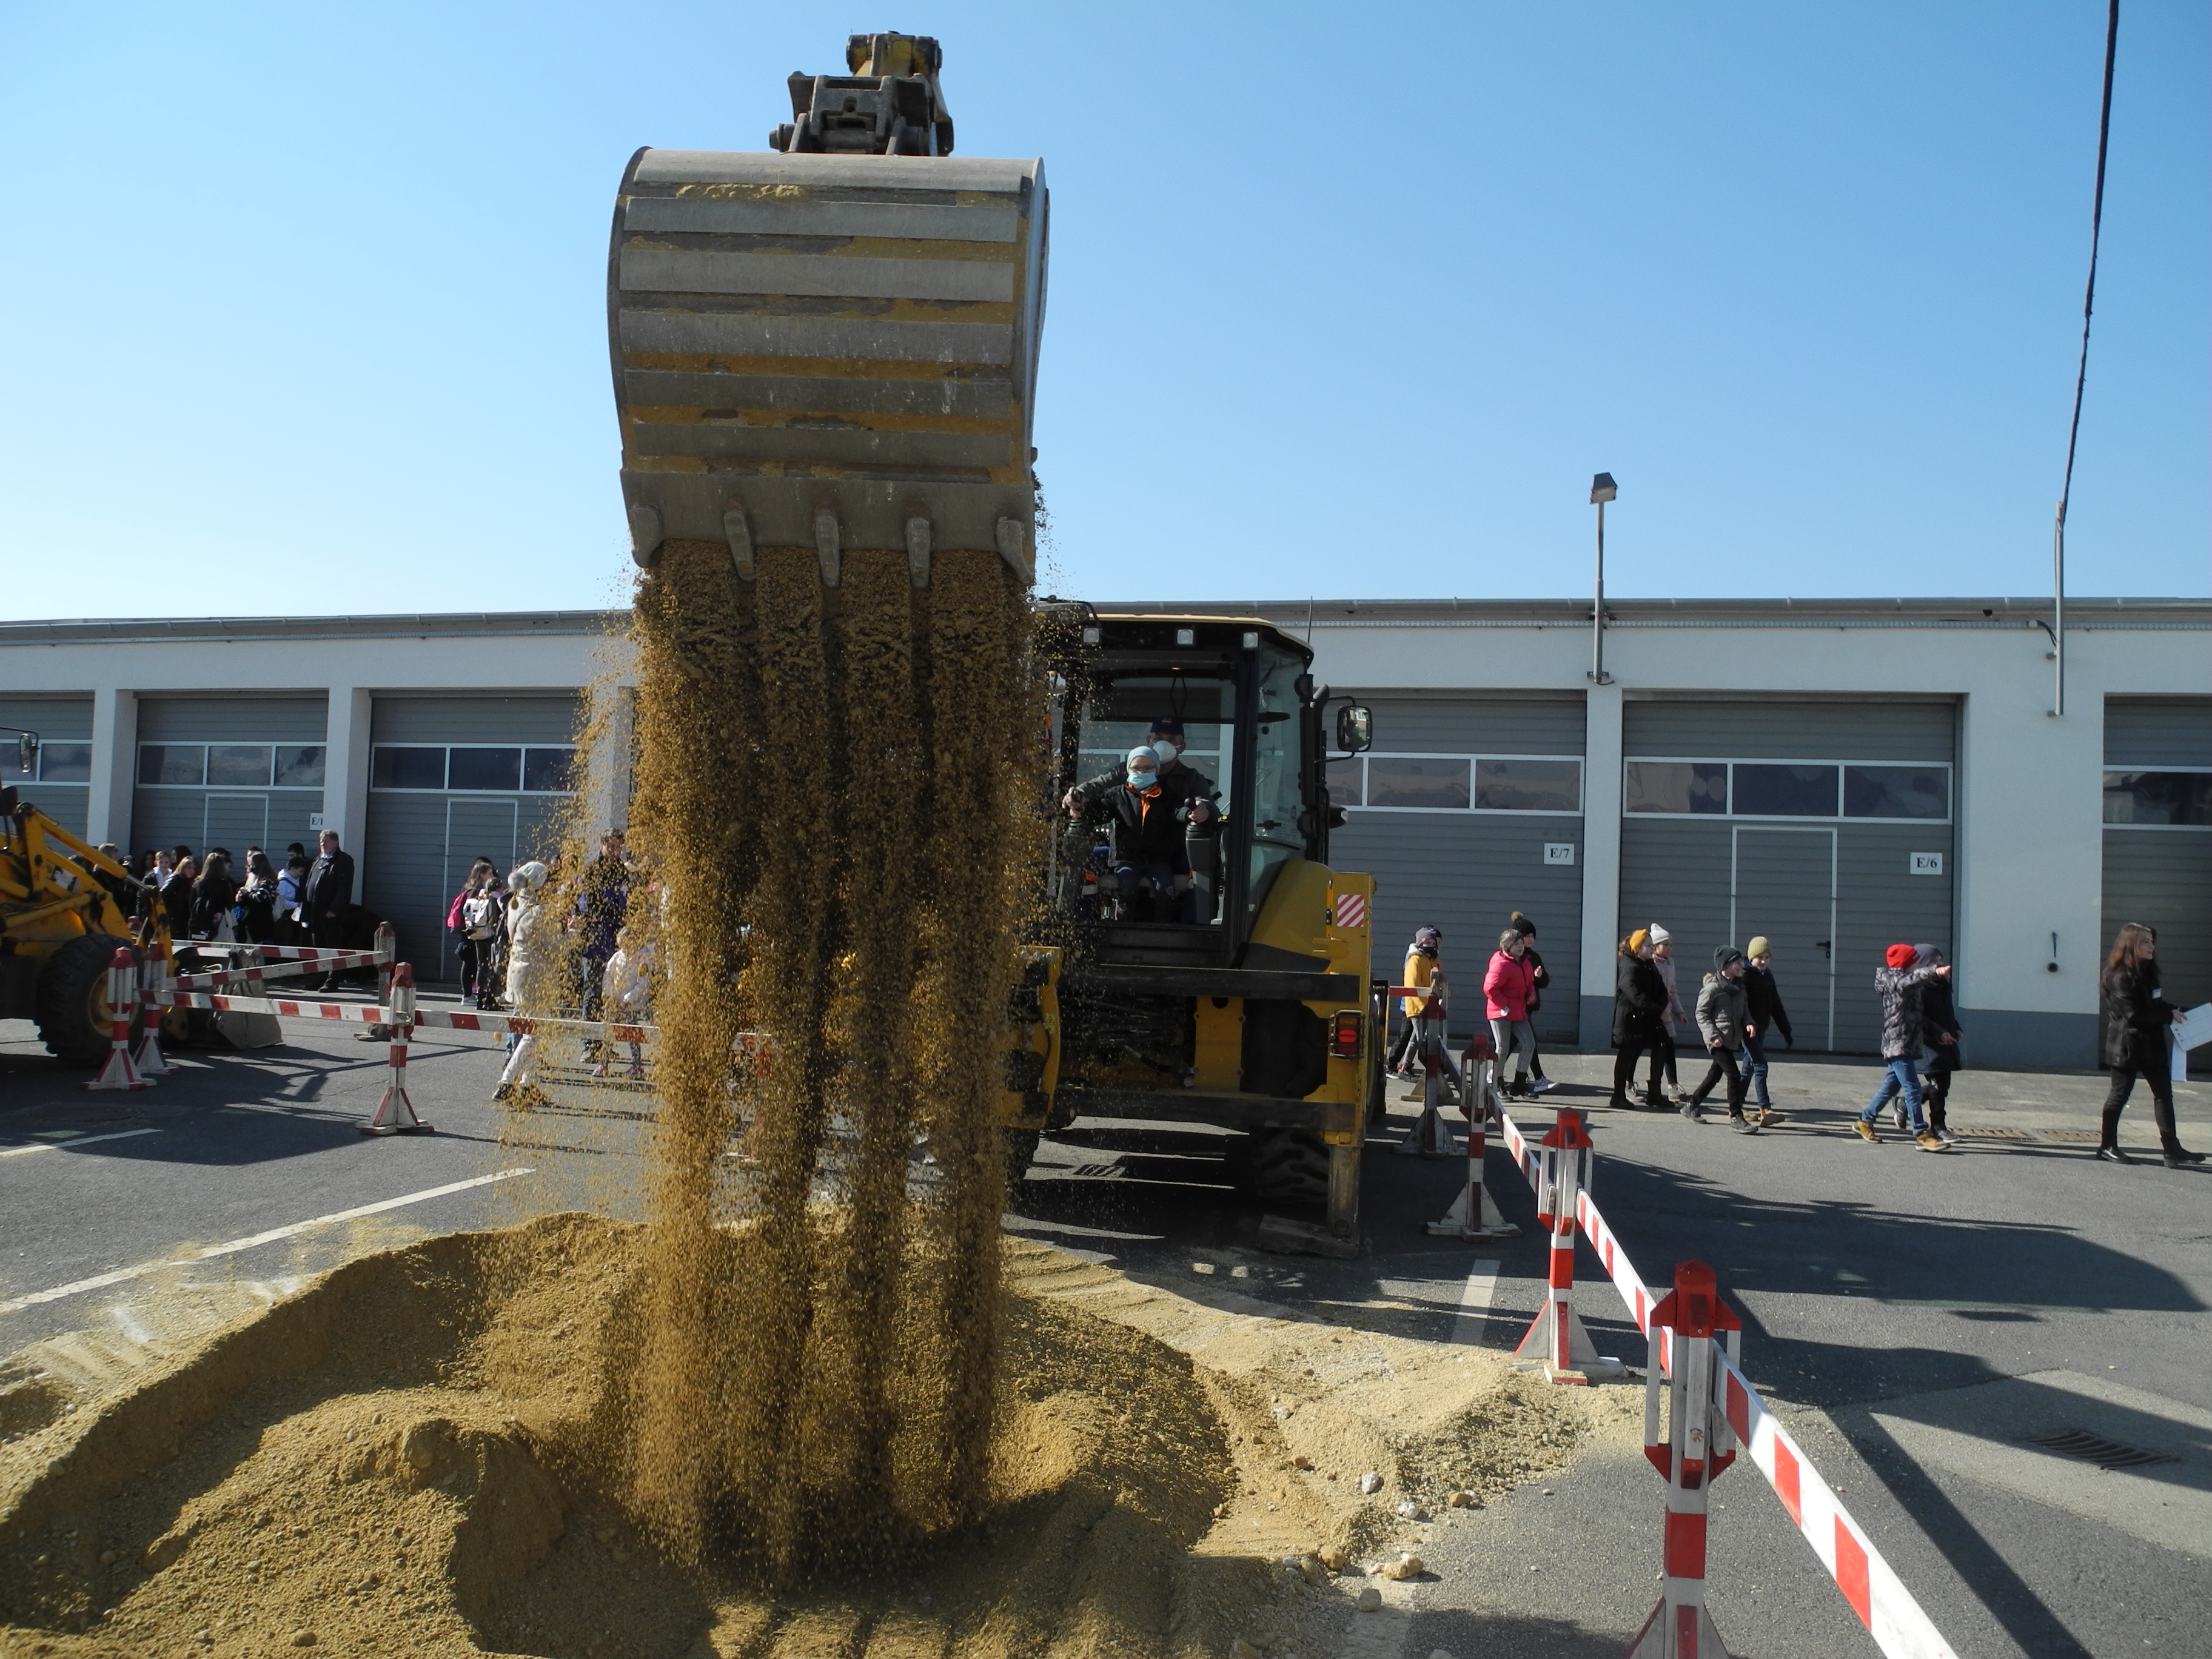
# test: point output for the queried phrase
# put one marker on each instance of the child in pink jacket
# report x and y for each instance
(1506, 987)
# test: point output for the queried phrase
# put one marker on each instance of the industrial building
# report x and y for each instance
(1835, 774)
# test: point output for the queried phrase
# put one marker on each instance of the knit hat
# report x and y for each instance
(1523, 927)
(1898, 956)
(1659, 935)
(1143, 751)
(1760, 945)
(1724, 956)
(1926, 953)
(1427, 936)
(1639, 939)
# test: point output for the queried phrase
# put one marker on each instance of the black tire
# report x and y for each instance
(1288, 1167)
(1021, 1150)
(74, 1014)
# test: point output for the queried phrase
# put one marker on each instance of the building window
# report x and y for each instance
(396, 767)
(497, 770)
(238, 765)
(172, 762)
(1515, 785)
(300, 767)
(1766, 790)
(474, 768)
(549, 771)
(1896, 791)
(1674, 786)
(2171, 798)
(1458, 783)
(65, 762)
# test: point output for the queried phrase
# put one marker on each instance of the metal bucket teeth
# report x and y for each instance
(837, 351)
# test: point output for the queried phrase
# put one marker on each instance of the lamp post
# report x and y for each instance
(1602, 490)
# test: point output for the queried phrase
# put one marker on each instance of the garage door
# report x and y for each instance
(452, 780)
(234, 772)
(2158, 836)
(1825, 826)
(1467, 810)
(59, 781)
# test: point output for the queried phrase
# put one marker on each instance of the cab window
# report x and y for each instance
(1277, 796)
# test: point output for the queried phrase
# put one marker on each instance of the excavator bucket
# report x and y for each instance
(829, 350)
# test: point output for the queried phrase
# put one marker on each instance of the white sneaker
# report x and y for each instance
(1542, 1085)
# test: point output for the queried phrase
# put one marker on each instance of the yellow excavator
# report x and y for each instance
(834, 344)
(61, 923)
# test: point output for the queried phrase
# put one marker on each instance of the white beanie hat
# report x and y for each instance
(1659, 935)
(531, 875)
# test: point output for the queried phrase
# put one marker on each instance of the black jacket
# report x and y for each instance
(1939, 1018)
(1146, 829)
(1766, 1009)
(1639, 1001)
(329, 887)
(2136, 1016)
(211, 899)
(1538, 977)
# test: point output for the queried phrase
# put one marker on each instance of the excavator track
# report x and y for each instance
(828, 351)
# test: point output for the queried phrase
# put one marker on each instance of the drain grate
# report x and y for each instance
(2090, 1137)
(1993, 1135)
(2086, 1447)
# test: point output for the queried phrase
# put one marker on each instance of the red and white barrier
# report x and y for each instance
(527, 1024)
(152, 972)
(1698, 1448)
(395, 1113)
(366, 1013)
(1900, 1627)
(120, 1070)
(1557, 1167)
(295, 961)
(1475, 1213)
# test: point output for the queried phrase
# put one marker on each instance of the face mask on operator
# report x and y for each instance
(1141, 764)
(1166, 751)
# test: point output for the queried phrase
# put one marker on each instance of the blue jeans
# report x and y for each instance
(1167, 904)
(1754, 1054)
(1900, 1079)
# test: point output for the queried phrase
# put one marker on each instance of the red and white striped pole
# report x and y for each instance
(1557, 1340)
(153, 975)
(122, 1014)
(1698, 1446)
(395, 1113)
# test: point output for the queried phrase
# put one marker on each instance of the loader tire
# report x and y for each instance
(1288, 1166)
(1021, 1150)
(74, 1014)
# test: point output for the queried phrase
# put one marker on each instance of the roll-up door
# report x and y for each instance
(452, 779)
(1468, 809)
(234, 772)
(2158, 836)
(59, 782)
(1825, 825)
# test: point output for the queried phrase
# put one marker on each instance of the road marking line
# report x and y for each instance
(1474, 1303)
(235, 1245)
(71, 1146)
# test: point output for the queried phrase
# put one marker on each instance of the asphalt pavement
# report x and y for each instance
(1997, 1357)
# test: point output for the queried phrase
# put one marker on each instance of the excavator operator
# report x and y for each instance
(1145, 817)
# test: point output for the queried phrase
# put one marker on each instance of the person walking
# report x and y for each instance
(1662, 958)
(482, 908)
(327, 890)
(1421, 956)
(1766, 1016)
(1639, 1006)
(1507, 986)
(1540, 978)
(1723, 1017)
(1939, 1030)
(1899, 982)
(2137, 1040)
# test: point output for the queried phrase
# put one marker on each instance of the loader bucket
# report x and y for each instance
(828, 351)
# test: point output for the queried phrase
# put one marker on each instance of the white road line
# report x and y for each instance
(1474, 1303)
(66, 1145)
(237, 1244)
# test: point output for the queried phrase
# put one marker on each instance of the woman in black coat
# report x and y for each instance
(1639, 1015)
(1940, 1031)
(2135, 1039)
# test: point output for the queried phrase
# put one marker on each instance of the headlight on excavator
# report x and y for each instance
(1345, 1032)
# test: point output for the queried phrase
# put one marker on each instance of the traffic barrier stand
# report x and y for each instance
(1475, 1213)
(1557, 1168)
(395, 1113)
(152, 973)
(1700, 1445)
(120, 1072)
(1899, 1628)
(1429, 1137)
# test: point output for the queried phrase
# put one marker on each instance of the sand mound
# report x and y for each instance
(406, 1458)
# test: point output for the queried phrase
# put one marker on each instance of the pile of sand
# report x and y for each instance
(408, 1457)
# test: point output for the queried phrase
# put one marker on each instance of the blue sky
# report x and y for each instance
(303, 308)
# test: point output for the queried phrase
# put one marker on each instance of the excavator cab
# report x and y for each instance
(1235, 991)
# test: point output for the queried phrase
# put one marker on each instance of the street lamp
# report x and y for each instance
(1602, 490)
